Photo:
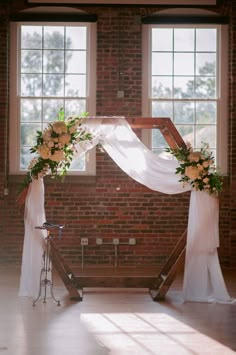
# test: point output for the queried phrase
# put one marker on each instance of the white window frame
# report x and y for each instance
(222, 94)
(14, 110)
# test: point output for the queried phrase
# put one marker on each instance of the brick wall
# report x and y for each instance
(232, 130)
(3, 123)
(112, 205)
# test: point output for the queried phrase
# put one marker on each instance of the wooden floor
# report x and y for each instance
(114, 321)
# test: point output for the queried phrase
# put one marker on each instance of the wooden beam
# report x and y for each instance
(115, 281)
(64, 271)
(164, 124)
(169, 271)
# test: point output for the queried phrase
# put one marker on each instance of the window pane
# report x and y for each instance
(53, 85)
(31, 37)
(51, 109)
(161, 64)
(162, 39)
(75, 62)
(206, 64)
(75, 85)
(183, 87)
(162, 109)
(53, 61)
(206, 39)
(206, 112)
(31, 85)
(187, 133)
(206, 134)
(184, 39)
(158, 139)
(25, 157)
(76, 37)
(183, 64)
(206, 87)
(184, 112)
(31, 110)
(162, 86)
(74, 107)
(53, 37)
(28, 133)
(78, 164)
(31, 61)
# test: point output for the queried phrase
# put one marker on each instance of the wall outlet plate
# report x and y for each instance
(84, 241)
(99, 241)
(116, 241)
(132, 241)
(120, 94)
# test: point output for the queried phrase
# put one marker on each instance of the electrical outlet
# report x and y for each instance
(84, 241)
(99, 241)
(120, 94)
(116, 241)
(132, 241)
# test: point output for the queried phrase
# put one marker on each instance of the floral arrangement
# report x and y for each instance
(197, 168)
(56, 146)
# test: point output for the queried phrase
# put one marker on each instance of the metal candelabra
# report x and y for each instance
(46, 275)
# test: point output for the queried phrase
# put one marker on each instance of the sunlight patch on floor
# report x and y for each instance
(145, 333)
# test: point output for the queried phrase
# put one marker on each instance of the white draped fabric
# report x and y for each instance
(34, 240)
(203, 280)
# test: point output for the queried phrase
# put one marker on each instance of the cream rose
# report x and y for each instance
(194, 156)
(59, 127)
(44, 151)
(72, 129)
(50, 144)
(206, 164)
(47, 135)
(205, 180)
(200, 167)
(192, 172)
(64, 138)
(58, 155)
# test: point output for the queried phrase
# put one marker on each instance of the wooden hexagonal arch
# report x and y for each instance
(159, 285)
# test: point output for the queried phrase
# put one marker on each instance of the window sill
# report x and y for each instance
(69, 179)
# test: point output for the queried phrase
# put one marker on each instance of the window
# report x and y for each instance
(52, 68)
(187, 82)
